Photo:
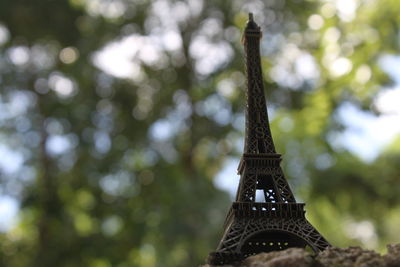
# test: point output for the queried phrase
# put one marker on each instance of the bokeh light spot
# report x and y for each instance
(69, 55)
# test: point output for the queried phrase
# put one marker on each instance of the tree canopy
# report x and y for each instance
(117, 117)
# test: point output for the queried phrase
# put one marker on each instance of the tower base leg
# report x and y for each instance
(260, 232)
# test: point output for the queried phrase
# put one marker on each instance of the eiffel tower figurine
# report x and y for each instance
(278, 222)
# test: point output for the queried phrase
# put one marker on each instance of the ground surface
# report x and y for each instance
(331, 257)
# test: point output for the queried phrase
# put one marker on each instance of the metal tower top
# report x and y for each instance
(258, 139)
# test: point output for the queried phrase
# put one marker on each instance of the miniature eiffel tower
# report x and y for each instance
(278, 223)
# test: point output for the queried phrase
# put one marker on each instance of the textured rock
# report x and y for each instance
(349, 257)
(290, 257)
(331, 257)
(392, 259)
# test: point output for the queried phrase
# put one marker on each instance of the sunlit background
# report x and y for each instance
(122, 124)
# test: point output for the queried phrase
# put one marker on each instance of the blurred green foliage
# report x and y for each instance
(117, 158)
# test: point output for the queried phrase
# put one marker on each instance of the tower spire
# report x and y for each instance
(277, 222)
(258, 139)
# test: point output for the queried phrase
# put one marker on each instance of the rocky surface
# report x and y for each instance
(331, 257)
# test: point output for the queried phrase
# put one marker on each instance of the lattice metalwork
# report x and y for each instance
(277, 222)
